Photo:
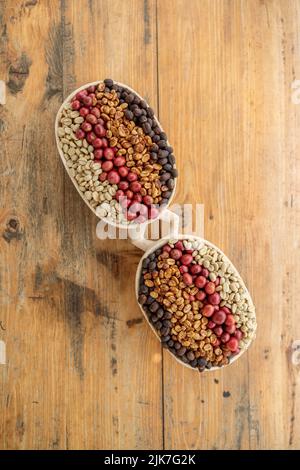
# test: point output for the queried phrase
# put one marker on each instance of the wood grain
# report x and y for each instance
(83, 370)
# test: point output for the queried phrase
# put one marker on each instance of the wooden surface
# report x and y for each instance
(83, 369)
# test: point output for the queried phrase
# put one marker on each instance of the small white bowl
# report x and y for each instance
(107, 220)
(159, 244)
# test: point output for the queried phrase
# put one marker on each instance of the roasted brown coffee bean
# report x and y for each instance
(142, 299)
(165, 330)
(154, 148)
(201, 362)
(129, 98)
(165, 177)
(128, 114)
(190, 355)
(165, 339)
(168, 167)
(108, 82)
(181, 351)
(160, 313)
(162, 144)
(154, 307)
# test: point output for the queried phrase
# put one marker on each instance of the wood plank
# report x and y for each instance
(78, 374)
(226, 104)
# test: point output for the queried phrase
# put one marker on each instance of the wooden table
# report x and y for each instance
(83, 370)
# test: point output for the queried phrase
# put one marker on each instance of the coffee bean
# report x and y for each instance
(170, 149)
(142, 299)
(167, 316)
(177, 345)
(154, 307)
(154, 156)
(150, 300)
(154, 318)
(144, 290)
(201, 362)
(109, 82)
(171, 159)
(163, 136)
(167, 194)
(181, 351)
(168, 167)
(162, 144)
(150, 112)
(174, 172)
(151, 257)
(165, 339)
(163, 153)
(146, 128)
(165, 177)
(158, 252)
(165, 330)
(193, 363)
(190, 355)
(143, 104)
(129, 98)
(160, 313)
(163, 161)
(137, 100)
(158, 325)
(151, 134)
(137, 112)
(170, 343)
(157, 131)
(154, 148)
(152, 266)
(167, 323)
(142, 120)
(145, 263)
(128, 114)
(170, 183)
(155, 139)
